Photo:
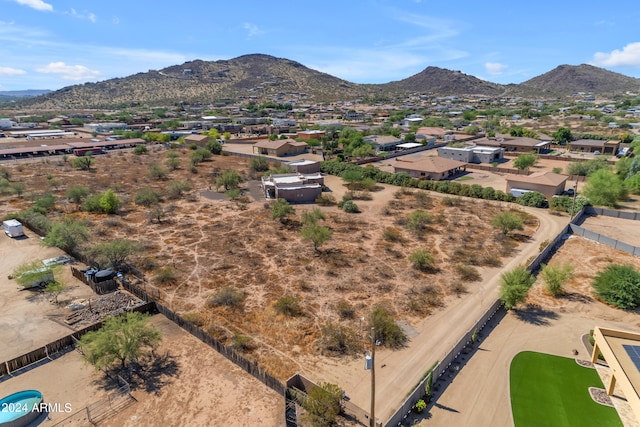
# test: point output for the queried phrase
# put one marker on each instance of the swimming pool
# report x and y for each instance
(19, 409)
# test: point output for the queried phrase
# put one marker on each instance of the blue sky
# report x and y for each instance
(50, 44)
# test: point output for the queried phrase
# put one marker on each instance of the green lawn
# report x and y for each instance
(553, 391)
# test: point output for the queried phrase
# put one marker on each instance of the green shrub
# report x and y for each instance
(420, 406)
(228, 297)
(339, 339)
(618, 285)
(140, 149)
(146, 197)
(532, 199)
(165, 275)
(386, 329)
(259, 164)
(175, 189)
(288, 305)
(345, 309)
(350, 207)
(422, 260)
(393, 234)
(243, 343)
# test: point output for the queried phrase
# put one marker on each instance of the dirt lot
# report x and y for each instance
(192, 385)
(28, 319)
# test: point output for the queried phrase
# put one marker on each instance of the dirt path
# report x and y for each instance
(436, 335)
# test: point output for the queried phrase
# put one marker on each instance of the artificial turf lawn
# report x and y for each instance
(553, 391)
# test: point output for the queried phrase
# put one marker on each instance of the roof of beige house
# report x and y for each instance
(544, 178)
(428, 164)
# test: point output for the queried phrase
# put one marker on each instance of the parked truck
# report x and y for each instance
(12, 228)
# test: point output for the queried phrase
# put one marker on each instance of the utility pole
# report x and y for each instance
(373, 378)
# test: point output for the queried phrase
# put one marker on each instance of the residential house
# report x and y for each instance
(433, 168)
(293, 187)
(593, 145)
(516, 143)
(198, 139)
(547, 183)
(310, 134)
(472, 154)
(279, 147)
(304, 166)
(383, 142)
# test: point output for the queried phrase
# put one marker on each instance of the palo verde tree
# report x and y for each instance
(514, 286)
(318, 234)
(115, 252)
(67, 234)
(323, 405)
(555, 276)
(122, 339)
(507, 222)
(83, 163)
(229, 179)
(605, 188)
(525, 161)
(281, 209)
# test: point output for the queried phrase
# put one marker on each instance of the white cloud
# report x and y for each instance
(36, 4)
(494, 68)
(629, 55)
(115, 20)
(69, 72)
(85, 15)
(252, 29)
(8, 71)
(437, 29)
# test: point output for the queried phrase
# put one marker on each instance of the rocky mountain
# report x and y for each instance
(266, 77)
(439, 81)
(568, 79)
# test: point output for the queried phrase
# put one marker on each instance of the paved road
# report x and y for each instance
(398, 372)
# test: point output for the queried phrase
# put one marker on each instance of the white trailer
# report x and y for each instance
(12, 228)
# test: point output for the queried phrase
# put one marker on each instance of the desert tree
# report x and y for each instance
(514, 286)
(525, 161)
(115, 252)
(77, 193)
(67, 234)
(604, 188)
(318, 234)
(323, 405)
(229, 179)
(281, 209)
(109, 202)
(83, 163)
(122, 339)
(555, 276)
(507, 222)
(618, 285)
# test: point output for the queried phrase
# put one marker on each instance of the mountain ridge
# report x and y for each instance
(262, 76)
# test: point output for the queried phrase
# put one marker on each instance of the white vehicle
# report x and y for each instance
(517, 192)
(12, 228)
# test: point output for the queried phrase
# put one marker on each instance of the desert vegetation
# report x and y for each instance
(266, 279)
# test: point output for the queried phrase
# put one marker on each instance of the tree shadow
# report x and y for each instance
(535, 315)
(150, 374)
(578, 297)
